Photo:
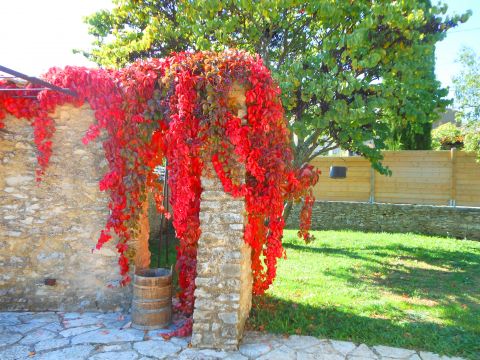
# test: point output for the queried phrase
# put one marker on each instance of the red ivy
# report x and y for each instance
(176, 109)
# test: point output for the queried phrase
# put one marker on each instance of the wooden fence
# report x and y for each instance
(419, 177)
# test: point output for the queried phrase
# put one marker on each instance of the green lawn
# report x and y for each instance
(400, 290)
(159, 257)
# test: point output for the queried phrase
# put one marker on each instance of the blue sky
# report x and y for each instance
(467, 34)
(39, 34)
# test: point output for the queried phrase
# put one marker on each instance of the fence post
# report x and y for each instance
(371, 200)
(453, 178)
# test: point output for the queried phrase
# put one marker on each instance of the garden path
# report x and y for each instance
(105, 336)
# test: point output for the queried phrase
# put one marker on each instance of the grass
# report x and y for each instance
(401, 290)
(163, 256)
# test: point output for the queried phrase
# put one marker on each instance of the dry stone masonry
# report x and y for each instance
(48, 230)
(223, 294)
(458, 222)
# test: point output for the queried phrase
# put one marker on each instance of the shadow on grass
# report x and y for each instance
(277, 315)
(447, 281)
(438, 274)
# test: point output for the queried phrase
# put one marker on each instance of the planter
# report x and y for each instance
(152, 299)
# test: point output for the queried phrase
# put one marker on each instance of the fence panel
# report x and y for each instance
(419, 177)
(356, 187)
(467, 180)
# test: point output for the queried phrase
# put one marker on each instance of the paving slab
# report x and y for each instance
(281, 353)
(9, 337)
(51, 344)
(79, 330)
(77, 352)
(25, 328)
(201, 354)
(254, 350)
(394, 353)
(36, 336)
(117, 355)
(15, 352)
(362, 351)
(343, 347)
(156, 348)
(83, 321)
(297, 342)
(105, 336)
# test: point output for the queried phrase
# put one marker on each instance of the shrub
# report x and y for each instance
(447, 136)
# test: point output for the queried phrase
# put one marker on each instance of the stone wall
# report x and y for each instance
(48, 230)
(458, 222)
(223, 294)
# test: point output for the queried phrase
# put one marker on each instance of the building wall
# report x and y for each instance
(458, 222)
(48, 230)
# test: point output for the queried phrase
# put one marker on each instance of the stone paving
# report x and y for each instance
(105, 336)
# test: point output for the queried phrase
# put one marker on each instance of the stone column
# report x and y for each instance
(223, 295)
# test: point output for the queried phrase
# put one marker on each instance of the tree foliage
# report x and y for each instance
(467, 87)
(462, 137)
(348, 70)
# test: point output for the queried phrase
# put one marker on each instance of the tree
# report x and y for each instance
(467, 88)
(348, 70)
(417, 112)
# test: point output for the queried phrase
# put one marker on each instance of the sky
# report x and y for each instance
(467, 34)
(38, 34)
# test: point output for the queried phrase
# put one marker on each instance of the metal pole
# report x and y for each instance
(165, 201)
(162, 216)
(37, 81)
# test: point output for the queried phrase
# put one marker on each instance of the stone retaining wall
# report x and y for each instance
(458, 222)
(48, 230)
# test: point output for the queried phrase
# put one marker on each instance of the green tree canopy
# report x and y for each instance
(467, 98)
(348, 69)
(467, 87)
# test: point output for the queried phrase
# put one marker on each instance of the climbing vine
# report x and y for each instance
(177, 110)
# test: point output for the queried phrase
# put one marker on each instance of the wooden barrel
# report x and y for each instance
(152, 299)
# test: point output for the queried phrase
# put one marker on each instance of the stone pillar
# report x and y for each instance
(223, 295)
